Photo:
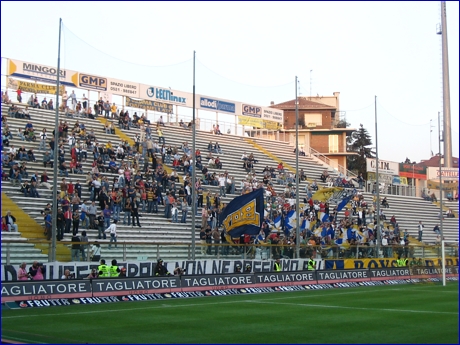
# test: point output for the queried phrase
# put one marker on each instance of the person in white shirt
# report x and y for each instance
(222, 184)
(113, 233)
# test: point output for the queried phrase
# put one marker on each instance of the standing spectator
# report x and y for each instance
(60, 223)
(37, 271)
(96, 252)
(73, 99)
(174, 213)
(48, 225)
(43, 137)
(83, 245)
(135, 212)
(107, 214)
(420, 231)
(113, 233)
(68, 216)
(75, 222)
(19, 92)
(22, 273)
(92, 212)
(75, 247)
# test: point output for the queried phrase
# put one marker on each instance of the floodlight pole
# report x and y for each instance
(193, 189)
(377, 178)
(297, 206)
(441, 216)
(52, 252)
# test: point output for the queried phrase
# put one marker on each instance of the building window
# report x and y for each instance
(313, 120)
(333, 143)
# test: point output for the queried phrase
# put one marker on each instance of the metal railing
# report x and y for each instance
(152, 251)
(340, 169)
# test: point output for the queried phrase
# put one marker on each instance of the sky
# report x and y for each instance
(252, 52)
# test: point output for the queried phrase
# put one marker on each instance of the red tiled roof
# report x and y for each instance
(304, 103)
(434, 162)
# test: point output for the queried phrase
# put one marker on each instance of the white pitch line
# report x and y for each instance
(359, 308)
(168, 306)
(361, 291)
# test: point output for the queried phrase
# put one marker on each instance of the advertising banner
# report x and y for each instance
(251, 110)
(217, 105)
(412, 171)
(55, 292)
(445, 186)
(124, 88)
(147, 285)
(45, 289)
(193, 283)
(285, 278)
(385, 167)
(390, 273)
(149, 105)
(41, 73)
(325, 277)
(165, 95)
(258, 123)
(272, 114)
(34, 87)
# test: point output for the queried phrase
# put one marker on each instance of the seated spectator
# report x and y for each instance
(385, 203)
(11, 222)
(30, 155)
(216, 148)
(63, 169)
(160, 121)
(218, 163)
(314, 186)
(324, 175)
(50, 105)
(44, 103)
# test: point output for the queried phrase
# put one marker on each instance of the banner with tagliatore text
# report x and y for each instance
(259, 123)
(34, 87)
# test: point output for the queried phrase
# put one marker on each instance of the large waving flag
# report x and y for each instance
(291, 220)
(344, 202)
(326, 193)
(277, 222)
(323, 217)
(244, 214)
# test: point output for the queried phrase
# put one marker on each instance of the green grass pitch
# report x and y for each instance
(424, 313)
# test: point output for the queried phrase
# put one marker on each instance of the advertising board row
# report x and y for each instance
(106, 287)
(268, 117)
(388, 170)
(55, 270)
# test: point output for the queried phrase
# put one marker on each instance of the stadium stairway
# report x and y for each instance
(30, 229)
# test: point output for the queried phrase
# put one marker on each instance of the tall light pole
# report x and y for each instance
(297, 206)
(377, 177)
(194, 203)
(447, 138)
(440, 201)
(52, 252)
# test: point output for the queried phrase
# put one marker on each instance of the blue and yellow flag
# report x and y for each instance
(244, 214)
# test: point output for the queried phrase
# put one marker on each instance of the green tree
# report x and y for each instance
(359, 142)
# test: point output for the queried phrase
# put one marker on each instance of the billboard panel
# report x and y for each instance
(41, 73)
(385, 167)
(166, 95)
(34, 87)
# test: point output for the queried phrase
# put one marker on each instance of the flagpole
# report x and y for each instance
(377, 179)
(194, 203)
(441, 216)
(297, 213)
(52, 252)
